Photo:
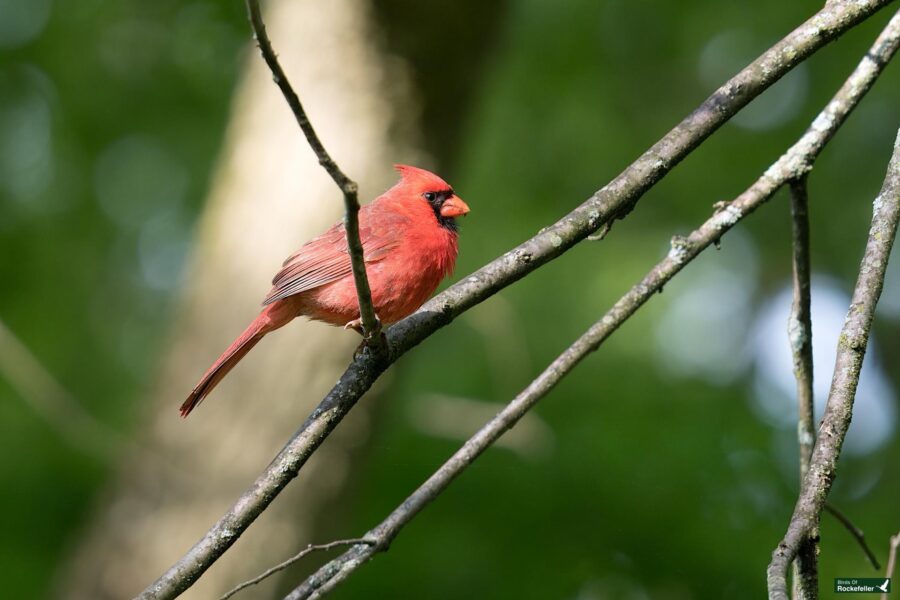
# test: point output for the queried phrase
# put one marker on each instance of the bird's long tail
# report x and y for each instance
(271, 318)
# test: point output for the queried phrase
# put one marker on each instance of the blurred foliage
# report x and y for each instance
(661, 478)
(111, 115)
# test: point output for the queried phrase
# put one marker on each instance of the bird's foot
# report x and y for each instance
(370, 338)
(369, 342)
(357, 326)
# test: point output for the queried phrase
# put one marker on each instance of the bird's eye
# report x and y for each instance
(429, 196)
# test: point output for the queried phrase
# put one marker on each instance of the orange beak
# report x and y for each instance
(454, 207)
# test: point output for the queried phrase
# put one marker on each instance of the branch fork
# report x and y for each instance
(592, 215)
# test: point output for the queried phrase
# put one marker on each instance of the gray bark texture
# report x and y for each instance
(794, 163)
(268, 196)
(851, 350)
(611, 202)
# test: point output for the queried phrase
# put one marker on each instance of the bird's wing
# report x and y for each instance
(325, 259)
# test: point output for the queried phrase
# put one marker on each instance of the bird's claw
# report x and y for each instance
(369, 337)
(357, 326)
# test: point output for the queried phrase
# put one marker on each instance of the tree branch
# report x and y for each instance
(850, 353)
(796, 161)
(612, 201)
(855, 531)
(892, 558)
(370, 324)
(800, 323)
(284, 565)
(806, 576)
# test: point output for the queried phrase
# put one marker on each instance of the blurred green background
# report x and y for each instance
(664, 467)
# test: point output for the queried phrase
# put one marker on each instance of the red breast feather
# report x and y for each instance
(408, 253)
(410, 244)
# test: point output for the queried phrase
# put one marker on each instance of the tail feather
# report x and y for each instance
(235, 352)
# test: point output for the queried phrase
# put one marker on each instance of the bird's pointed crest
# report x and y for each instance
(421, 178)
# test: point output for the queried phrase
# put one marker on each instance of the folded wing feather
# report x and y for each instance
(325, 259)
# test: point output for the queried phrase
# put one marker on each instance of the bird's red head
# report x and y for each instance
(433, 189)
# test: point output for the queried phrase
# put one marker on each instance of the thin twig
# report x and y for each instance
(684, 249)
(371, 326)
(892, 559)
(806, 576)
(850, 353)
(605, 205)
(284, 565)
(856, 532)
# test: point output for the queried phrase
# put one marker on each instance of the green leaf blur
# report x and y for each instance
(657, 477)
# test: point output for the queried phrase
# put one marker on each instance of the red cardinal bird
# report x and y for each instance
(409, 239)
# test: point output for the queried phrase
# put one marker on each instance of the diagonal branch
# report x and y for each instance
(850, 353)
(292, 560)
(806, 576)
(892, 558)
(791, 165)
(610, 202)
(347, 186)
(800, 336)
(806, 584)
(856, 532)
